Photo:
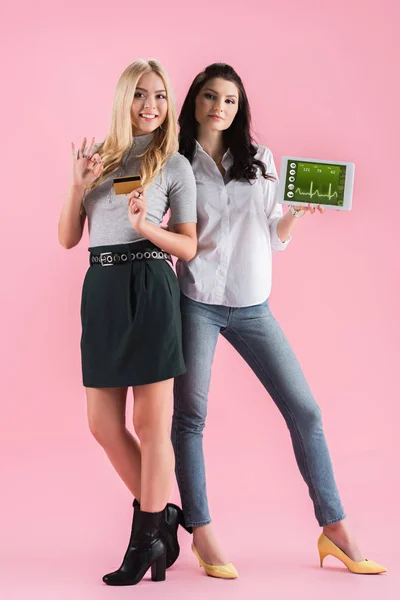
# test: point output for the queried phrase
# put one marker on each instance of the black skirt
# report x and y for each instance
(131, 322)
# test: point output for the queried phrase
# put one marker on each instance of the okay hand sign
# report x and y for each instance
(86, 168)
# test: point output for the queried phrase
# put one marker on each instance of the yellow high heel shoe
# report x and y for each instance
(227, 571)
(364, 567)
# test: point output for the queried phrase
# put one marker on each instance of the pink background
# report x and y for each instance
(322, 78)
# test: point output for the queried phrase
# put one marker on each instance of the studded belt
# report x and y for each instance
(110, 259)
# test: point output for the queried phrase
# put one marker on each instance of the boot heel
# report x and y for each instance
(181, 519)
(158, 569)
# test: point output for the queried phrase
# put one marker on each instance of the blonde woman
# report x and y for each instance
(131, 325)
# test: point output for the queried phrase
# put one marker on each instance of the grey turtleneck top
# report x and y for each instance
(174, 188)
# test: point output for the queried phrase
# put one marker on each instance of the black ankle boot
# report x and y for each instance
(171, 519)
(146, 549)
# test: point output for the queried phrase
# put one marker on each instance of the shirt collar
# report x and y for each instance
(227, 159)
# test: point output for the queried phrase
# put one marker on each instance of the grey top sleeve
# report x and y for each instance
(181, 190)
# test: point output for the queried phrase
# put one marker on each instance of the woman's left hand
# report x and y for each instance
(288, 222)
(137, 209)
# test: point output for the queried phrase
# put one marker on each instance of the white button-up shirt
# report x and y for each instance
(236, 230)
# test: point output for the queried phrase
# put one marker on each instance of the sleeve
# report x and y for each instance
(272, 209)
(181, 191)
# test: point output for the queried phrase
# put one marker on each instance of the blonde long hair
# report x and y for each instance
(120, 138)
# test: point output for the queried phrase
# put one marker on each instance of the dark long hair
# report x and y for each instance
(237, 137)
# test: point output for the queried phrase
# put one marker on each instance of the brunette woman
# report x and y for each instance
(225, 291)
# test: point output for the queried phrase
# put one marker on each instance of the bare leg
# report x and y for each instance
(339, 535)
(106, 417)
(151, 419)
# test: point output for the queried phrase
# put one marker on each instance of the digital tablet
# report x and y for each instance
(315, 181)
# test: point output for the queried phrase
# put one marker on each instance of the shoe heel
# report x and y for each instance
(322, 555)
(158, 569)
(181, 519)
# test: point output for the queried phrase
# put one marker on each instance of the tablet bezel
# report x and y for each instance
(348, 184)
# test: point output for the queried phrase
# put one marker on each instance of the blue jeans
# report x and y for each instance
(256, 335)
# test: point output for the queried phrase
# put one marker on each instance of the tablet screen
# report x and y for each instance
(319, 183)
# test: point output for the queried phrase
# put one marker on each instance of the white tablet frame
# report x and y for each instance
(348, 184)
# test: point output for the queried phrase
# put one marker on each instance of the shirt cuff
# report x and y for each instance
(276, 243)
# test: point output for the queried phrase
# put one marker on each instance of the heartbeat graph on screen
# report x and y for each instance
(311, 193)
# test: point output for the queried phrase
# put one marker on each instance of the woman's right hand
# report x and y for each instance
(85, 167)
